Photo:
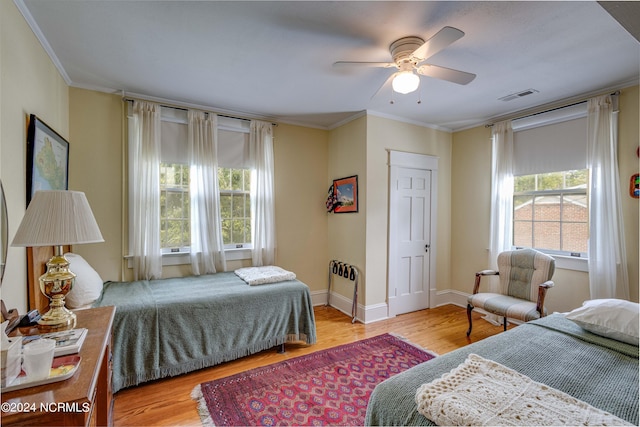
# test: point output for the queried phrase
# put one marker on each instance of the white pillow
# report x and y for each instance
(88, 286)
(611, 318)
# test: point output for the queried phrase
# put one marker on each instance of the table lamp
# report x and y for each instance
(57, 218)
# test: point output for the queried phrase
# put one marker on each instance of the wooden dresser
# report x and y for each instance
(85, 399)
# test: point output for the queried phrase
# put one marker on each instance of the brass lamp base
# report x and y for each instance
(58, 317)
(55, 284)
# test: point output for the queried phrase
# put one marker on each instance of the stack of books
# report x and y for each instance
(67, 342)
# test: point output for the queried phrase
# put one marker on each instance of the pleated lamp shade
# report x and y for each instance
(57, 217)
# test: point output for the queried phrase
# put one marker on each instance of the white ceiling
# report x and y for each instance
(273, 59)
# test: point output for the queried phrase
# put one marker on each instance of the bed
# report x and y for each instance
(554, 350)
(169, 327)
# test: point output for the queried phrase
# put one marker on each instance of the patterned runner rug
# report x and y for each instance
(328, 387)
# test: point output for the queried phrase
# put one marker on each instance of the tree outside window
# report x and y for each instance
(235, 206)
(175, 229)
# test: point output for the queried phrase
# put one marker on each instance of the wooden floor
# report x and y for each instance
(168, 403)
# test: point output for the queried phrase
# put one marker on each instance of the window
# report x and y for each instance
(235, 206)
(550, 196)
(550, 212)
(234, 173)
(175, 229)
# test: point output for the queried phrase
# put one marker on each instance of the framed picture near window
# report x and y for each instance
(634, 186)
(47, 158)
(345, 191)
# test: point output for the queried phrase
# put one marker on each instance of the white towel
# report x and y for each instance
(262, 275)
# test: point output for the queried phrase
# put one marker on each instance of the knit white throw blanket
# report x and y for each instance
(266, 274)
(481, 392)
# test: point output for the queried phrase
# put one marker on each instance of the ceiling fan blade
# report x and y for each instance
(384, 85)
(437, 42)
(364, 64)
(448, 74)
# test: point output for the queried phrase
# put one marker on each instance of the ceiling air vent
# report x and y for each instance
(518, 95)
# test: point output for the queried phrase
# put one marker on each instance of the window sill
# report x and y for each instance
(566, 262)
(571, 263)
(182, 258)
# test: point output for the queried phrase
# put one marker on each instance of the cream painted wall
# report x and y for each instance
(29, 84)
(301, 156)
(471, 209)
(383, 135)
(629, 164)
(96, 129)
(347, 231)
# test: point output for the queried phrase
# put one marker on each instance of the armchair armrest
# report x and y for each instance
(479, 275)
(548, 284)
(542, 292)
(487, 273)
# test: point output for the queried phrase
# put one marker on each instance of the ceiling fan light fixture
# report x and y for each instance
(405, 82)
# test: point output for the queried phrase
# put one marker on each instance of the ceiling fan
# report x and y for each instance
(408, 55)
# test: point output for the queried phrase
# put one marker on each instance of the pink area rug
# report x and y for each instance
(328, 387)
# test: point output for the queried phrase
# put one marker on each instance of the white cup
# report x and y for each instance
(38, 356)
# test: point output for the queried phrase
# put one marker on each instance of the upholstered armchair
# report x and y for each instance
(525, 277)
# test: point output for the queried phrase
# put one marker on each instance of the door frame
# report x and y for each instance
(404, 160)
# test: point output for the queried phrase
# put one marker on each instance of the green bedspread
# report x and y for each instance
(551, 350)
(172, 326)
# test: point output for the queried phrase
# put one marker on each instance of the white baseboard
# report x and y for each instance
(364, 314)
(450, 296)
(337, 301)
(318, 298)
(376, 312)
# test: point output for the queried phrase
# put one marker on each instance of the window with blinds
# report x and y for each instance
(234, 178)
(550, 202)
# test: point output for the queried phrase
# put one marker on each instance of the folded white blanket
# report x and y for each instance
(265, 274)
(481, 392)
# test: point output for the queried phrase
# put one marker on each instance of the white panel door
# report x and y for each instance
(410, 236)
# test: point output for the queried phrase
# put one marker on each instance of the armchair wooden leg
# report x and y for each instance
(505, 323)
(469, 309)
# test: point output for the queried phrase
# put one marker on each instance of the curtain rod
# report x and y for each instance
(488, 125)
(184, 108)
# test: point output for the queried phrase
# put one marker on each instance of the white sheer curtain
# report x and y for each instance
(263, 221)
(207, 248)
(501, 191)
(145, 158)
(608, 276)
(500, 231)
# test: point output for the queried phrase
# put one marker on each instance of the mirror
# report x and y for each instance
(4, 232)
(11, 315)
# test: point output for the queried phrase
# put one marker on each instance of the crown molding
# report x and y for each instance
(26, 13)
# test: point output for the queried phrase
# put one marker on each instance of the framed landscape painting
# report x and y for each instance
(47, 159)
(345, 191)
